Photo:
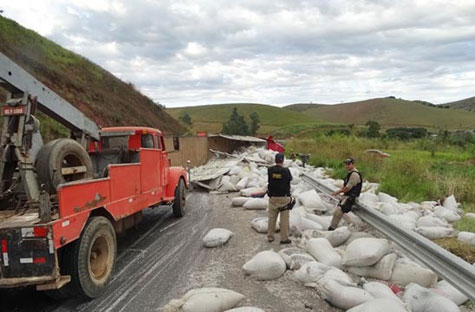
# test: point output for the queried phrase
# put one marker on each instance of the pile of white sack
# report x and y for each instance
(339, 263)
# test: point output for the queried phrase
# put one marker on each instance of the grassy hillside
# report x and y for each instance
(211, 117)
(467, 104)
(99, 94)
(391, 112)
(300, 107)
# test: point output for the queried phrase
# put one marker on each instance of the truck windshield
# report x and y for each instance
(115, 142)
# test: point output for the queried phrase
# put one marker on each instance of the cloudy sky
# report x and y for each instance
(190, 52)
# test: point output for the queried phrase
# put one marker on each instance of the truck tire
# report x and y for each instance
(56, 157)
(179, 202)
(90, 260)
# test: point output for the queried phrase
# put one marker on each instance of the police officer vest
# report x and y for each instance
(279, 181)
(356, 189)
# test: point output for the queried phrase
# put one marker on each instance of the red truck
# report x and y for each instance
(63, 203)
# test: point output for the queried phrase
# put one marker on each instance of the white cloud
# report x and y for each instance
(270, 51)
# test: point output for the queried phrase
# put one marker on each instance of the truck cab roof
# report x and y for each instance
(133, 130)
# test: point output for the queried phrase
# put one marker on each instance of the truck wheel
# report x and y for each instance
(61, 161)
(179, 202)
(92, 260)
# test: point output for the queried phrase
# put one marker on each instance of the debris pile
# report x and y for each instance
(351, 269)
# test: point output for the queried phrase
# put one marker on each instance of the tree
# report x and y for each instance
(373, 129)
(186, 119)
(235, 125)
(254, 123)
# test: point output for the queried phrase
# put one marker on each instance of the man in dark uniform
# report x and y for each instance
(351, 191)
(279, 197)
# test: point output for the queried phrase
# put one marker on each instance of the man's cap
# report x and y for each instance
(350, 160)
(279, 158)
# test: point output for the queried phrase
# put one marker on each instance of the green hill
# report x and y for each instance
(390, 112)
(467, 104)
(96, 92)
(210, 118)
(300, 107)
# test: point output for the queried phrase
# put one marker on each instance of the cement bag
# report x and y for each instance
(342, 296)
(256, 204)
(205, 300)
(355, 235)
(420, 299)
(247, 192)
(295, 223)
(266, 265)
(297, 261)
(467, 237)
(379, 305)
(470, 215)
(382, 270)
(406, 271)
(431, 221)
(404, 220)
(261, 224)
(381, 291)
(338, 236)
(365, 251)
(308, 224)
(234, 179)
(217, 237)
(368, 198)
(339, 276)
(310, 273)
(254, 182)
(239, 201)
(434, 232)
(234, 170)
(322, 250)
(242, 183)
(389, 208)
(288, 253)
(448, 291)
(446, 214)
(245, 309)
(450, 203)
(226, 185)
(385, 198)
(311, 200)
(324, 221)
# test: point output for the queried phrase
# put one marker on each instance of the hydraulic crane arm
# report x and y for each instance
(16, 80)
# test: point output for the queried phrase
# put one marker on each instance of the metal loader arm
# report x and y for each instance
(16, 80)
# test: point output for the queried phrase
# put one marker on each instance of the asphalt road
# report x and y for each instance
(153, 259)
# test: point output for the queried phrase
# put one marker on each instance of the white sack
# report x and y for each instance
(245, 309)
(382, 270)
(470, 215)
(311, 200)
(324, 221)
(450, 203)
(308, 224)
(322, 250)
(261, 224)
(217, 237)
(295, 257)
(205, 300)
(247, 192)
(256, 204)
(342, 296)
(379, 305)
(368, 198)
(389, 208)
(239, 201)
(445, 289)
(381, 291)
(420, 299)
(446, 214)
(365, 251)
(338, 236)
(310, 273)
(385, 198)
(242, 183)
(355, 235)
(266, 265)
(467, 237)
(234, 170)
(431, 221)
(226, 185)
(406, 271)
(404, 220)
(434, 232)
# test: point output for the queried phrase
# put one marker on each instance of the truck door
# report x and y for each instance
(165, 162)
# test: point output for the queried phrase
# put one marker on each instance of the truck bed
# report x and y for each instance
(8, 219)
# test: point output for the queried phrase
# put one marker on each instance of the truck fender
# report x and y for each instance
(175, 174)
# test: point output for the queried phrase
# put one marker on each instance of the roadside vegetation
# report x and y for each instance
(428, 168)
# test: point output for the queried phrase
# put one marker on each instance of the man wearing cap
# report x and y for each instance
(351, 190)
(279, 197)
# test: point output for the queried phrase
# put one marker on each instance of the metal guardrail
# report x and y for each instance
(453, 269)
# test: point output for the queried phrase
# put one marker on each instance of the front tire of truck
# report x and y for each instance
(179, 202)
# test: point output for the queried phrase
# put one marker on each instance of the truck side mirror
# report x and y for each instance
(176, 143)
